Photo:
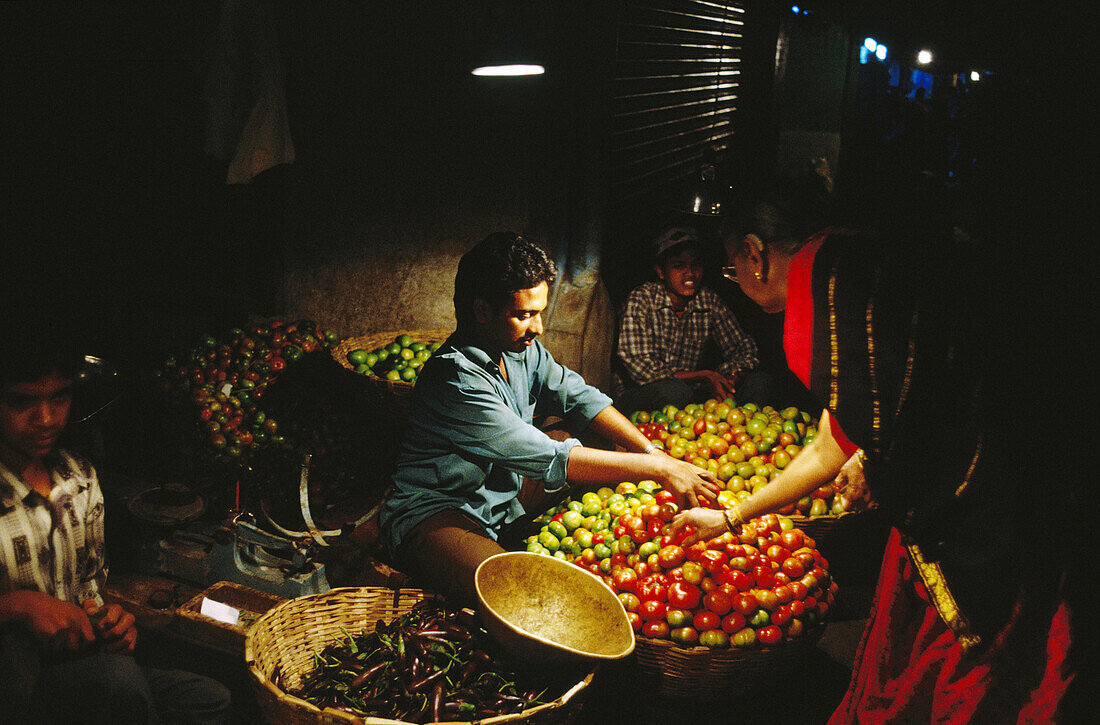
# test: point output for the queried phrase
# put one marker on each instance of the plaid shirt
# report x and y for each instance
(654, 343)
(53, 545)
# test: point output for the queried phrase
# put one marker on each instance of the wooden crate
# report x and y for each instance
(251, 603)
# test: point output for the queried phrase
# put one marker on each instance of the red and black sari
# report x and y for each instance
(967, 626)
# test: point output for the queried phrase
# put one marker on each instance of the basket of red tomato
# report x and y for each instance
(707, 614)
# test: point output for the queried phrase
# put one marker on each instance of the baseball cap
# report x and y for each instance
(674, 237)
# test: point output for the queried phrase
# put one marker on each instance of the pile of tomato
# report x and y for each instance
(762, 585)
(221, 382)
(743, 446)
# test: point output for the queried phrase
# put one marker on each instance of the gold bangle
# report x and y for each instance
(730, 524)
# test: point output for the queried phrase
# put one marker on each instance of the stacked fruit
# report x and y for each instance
(222, 381)
(399, 361)
(744, 446)
(758, 586)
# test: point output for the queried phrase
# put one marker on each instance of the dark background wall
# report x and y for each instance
(403, 160)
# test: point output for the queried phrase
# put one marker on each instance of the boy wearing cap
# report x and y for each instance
(667, 326)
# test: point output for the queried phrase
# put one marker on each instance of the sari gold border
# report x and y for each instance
(834, 345)
(872, 370)
(942, 599)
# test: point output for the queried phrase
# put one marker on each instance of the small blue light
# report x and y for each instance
(880, 52)
(870, 44)
(805, 12)
(864, 54)
(794, 9)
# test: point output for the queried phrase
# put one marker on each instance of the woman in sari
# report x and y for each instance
(970, 622)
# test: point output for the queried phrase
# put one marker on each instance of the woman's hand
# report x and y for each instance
(114, 626)
(705, 524)
(851, 485)
(688, 483)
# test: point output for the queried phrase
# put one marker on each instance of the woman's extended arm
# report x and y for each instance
(817, 465)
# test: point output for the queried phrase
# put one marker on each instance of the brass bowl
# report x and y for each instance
(542, 608)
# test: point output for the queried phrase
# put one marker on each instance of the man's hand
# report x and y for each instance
(59, 626)
(114, 626)
(689, 483)
(723, 386)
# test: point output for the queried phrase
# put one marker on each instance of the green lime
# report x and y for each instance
(408, 374)
(403, 340)
(394, 348)
(363, 369)
(359, 357)
(418, 346)
(394, 375)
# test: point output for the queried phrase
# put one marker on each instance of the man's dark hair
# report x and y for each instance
(34, 346)
(500, 264)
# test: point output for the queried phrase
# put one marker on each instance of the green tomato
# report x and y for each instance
(558, 529)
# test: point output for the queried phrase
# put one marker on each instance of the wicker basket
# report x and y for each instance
(378, 339)
(703, 673)
(284, 639)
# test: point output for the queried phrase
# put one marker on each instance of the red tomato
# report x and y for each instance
(635, 621)
(657, 629)
(652, 609)
(795, 629)
(675, 574)
(793, 568)
(783, 593)
(791, 540)
(624, 579)
(705, 620)
(733, 622)
(777, 553)
(745, 603)
(670, 556)
(718, 602)
(653, 589)
(683, 595)
(713, 561)
(663, 496)
(769, 635)
(738, 579)
(763, 577)
(782, 615)
(798, 589)
(767, 599)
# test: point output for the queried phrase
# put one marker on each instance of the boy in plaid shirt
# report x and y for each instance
(666, 328)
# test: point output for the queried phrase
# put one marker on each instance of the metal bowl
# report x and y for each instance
(542, 608)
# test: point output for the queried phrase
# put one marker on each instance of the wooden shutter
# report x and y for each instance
(676, 89)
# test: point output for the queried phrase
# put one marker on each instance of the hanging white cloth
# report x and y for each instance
(246, 119)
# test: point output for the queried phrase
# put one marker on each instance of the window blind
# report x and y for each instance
(675, 92)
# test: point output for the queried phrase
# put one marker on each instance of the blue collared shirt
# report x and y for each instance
(470, 438)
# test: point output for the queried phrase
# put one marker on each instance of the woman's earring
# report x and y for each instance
(758, 275)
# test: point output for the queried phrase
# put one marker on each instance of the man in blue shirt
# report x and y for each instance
(470, 438)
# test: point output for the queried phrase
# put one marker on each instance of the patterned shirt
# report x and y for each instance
(53, 545)
(655, 343)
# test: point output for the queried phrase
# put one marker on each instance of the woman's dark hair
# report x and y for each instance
(32, 347)
(499, 265)
(788, 212)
